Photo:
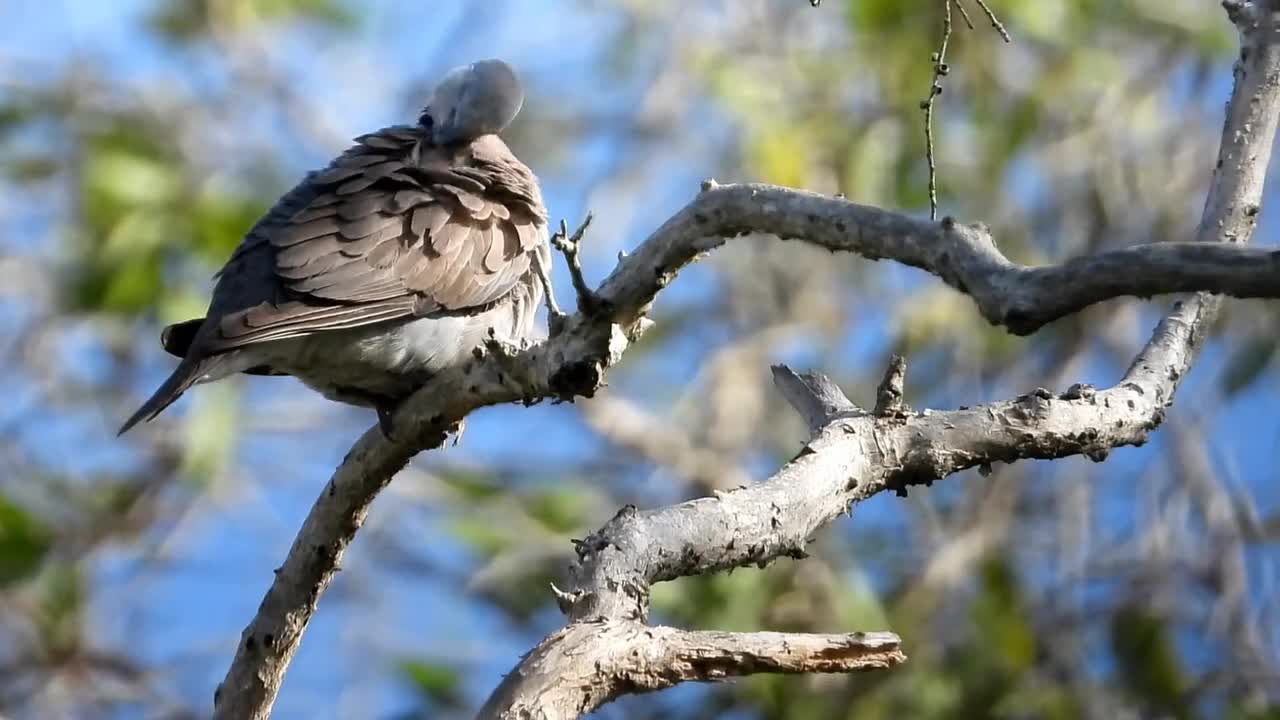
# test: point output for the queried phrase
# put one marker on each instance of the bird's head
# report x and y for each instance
(473, 100)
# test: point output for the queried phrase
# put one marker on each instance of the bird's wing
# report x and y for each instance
(395, 227)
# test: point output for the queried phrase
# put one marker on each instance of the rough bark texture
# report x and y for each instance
(852, 455)
(587, 664)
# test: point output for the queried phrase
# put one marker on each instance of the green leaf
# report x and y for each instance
(187, 21)
(131, 178)
(210, 431)
(60, 617)
(220, 221)
(131, 286)
(1147, 662)
(1240, 711)
(561, 510)
(482, 534)
(1001, 615)
(436, 681)
(472, 485)
(24, 542)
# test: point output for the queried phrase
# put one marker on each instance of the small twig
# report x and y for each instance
(940, 70)
(569, 246)
(892, 388)
(564, 600)
(813, 395)
(995, 21)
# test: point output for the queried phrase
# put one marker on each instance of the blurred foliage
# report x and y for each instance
(24, 540)
(1018, 596)
(1148, 663)
(1247, 363)
(192, 20)
(142, 215)
(439, 682)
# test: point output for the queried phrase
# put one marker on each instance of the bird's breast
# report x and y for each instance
(391, 360)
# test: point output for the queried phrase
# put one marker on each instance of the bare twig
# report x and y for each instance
(889, 396)
(940, 70)
(570, 246)
(995, 21)
(964, 14)
(814, 396)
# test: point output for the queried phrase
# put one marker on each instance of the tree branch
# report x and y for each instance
(1022, 299)
(586, 665)
(849, 458)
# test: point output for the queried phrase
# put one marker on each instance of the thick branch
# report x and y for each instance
(585, 665)
(1235, 189)
(1023, 299)
(850, 458)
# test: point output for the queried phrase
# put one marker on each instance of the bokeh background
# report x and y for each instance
(140, 138)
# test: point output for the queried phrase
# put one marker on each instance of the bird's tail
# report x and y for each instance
(188, 373)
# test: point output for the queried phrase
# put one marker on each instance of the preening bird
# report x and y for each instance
(390, 265)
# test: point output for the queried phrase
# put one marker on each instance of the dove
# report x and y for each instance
(391, 264)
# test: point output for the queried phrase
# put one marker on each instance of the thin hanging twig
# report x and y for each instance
(940, 70)
(995, 21)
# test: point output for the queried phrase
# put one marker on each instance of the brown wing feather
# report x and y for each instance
(314, 212)
(393, 228)
(362, 205)
(495, 251)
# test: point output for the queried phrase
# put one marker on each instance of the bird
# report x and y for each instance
(393, 263)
